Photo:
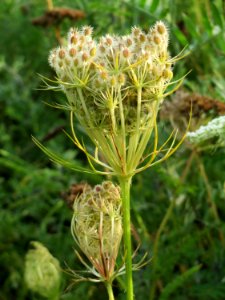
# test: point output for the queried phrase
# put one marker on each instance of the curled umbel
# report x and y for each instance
(97, 226)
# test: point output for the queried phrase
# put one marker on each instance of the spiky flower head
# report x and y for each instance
(114, 86)
(96, 74)
(42, 272)
(97, 226)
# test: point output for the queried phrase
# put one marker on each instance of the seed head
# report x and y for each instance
(121, 79)
(85, 57)
(87, 30)
(93, 51)
(74, 39)
(61, 53)
(108, 40)
(126, 53)
(72, 52)
(142, 38)
(97, 226)
(116, 65)
(161, 28)
(157, 40)
(136, 31)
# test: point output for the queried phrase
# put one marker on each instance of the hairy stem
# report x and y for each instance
(125, 183)
(109, 290)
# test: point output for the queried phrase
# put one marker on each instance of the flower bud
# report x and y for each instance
(142, 38)
(167, 74)
(74, 39)
(76, 62)
(104, 75)
(129, 42)
(42, 271)
(61, 53)
(157, 40)
(72, 52)
(161, 28)
(136, 31)
(113, 81)
(108, 40)
(121, 79)
(87, 30)
(102, 49)
(97, 226)
(93, 51)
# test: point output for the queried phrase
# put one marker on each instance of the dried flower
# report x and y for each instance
(115, 87)
(97, 226)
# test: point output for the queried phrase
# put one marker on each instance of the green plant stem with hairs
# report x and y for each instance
(109, 290)
(125, 184)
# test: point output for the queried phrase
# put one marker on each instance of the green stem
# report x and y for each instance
(125, 183)
(110, 290)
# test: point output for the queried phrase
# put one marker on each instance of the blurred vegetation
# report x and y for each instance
(178, 208)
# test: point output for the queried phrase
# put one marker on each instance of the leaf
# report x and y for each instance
(217, 16)
(154, 6)
(206, 20)
(190, 25)
(13, 162)
(180, 36)
(61, 161)
(178, 282)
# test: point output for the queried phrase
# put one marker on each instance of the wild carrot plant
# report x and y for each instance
(114, 87)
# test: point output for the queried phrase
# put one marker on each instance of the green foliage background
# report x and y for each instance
(174, 219)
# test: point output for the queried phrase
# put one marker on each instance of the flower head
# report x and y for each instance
(97, 226)
(116, 65)
(115, 86)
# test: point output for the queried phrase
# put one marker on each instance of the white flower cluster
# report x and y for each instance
(215, 128)
(113, 67)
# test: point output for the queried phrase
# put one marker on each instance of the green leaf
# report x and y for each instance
(180, 36)
(206, 20)
(61, 161)
(154, 6)
(178, 282)
(13, 162)
(191, 27)
(217, 16)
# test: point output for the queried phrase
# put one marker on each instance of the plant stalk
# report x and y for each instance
(109, 290)
(125, 184)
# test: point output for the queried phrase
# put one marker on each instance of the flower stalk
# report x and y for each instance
(110, 290)
(125, 184)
